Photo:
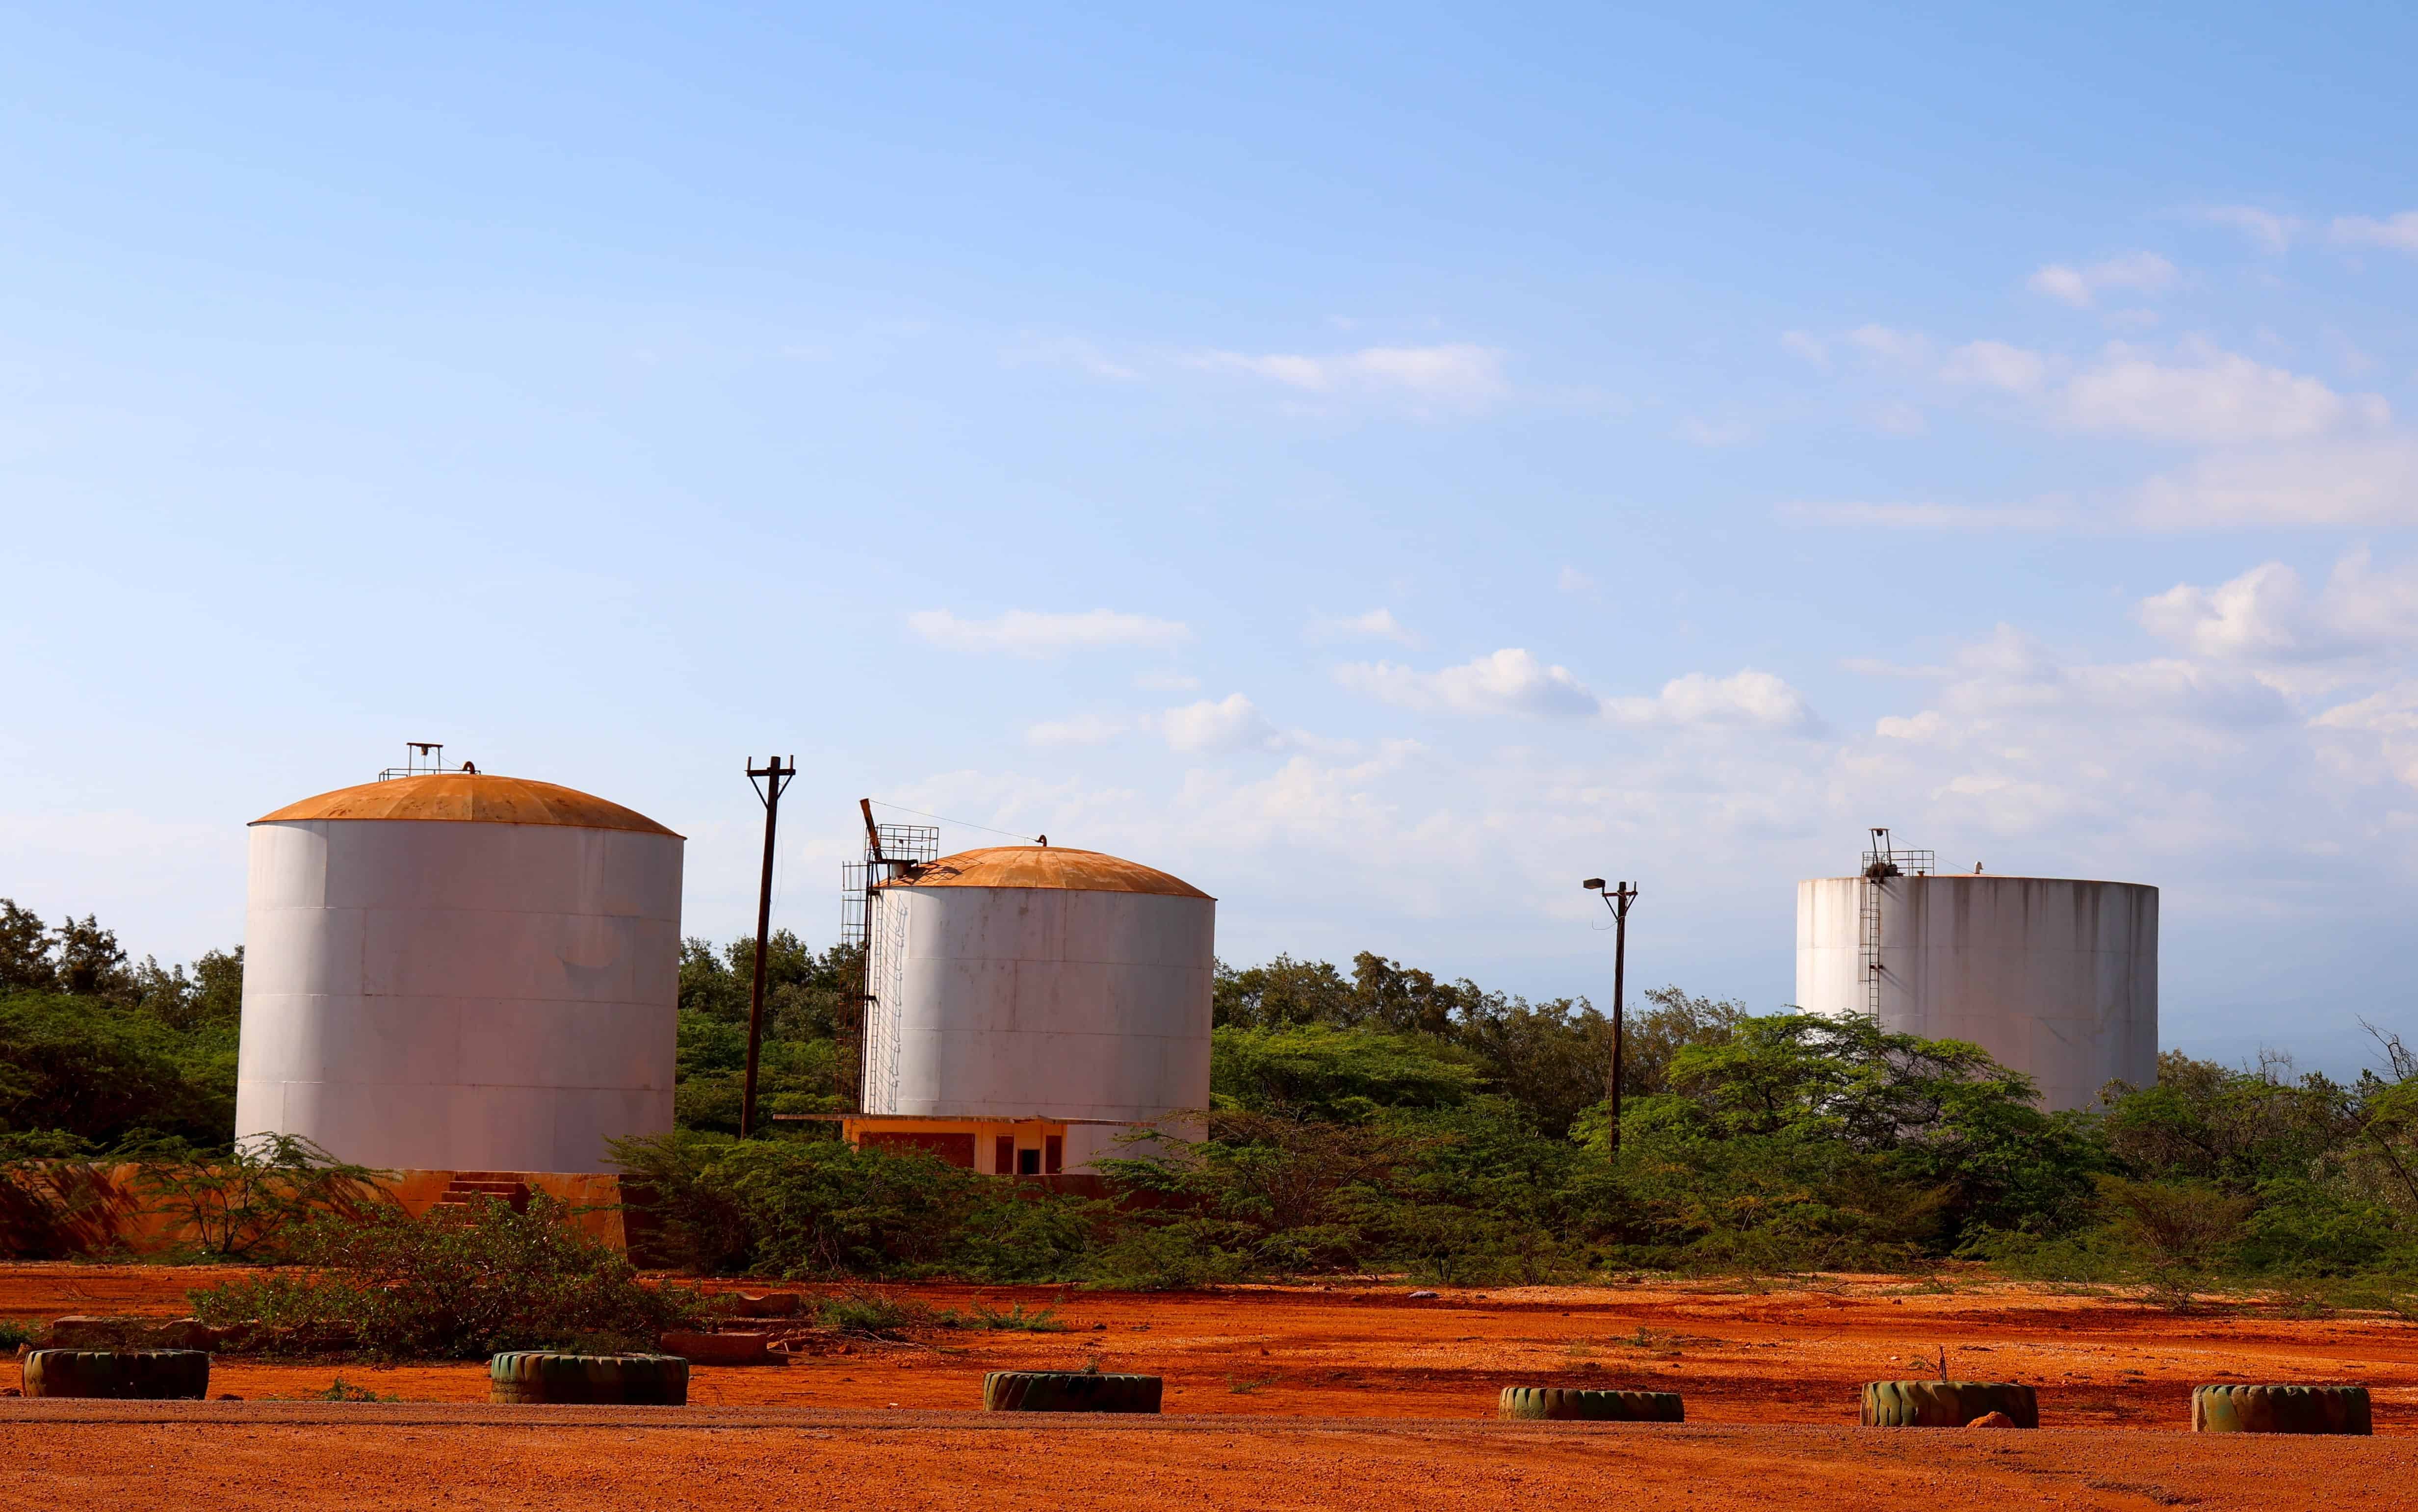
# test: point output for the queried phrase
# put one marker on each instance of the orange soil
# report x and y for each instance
(727, 1459)
(1284, 1368)
(1782, 1355)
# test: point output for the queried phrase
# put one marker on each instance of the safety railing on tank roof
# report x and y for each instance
(1901, 863)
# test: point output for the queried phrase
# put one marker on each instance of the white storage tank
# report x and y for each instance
(2056, 978)
(1036, 983)
(459, 971)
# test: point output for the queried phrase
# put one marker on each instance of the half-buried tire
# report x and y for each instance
(609, 1380)
(137, 1375)
(2280, 1410)
(1068, 1391)
(1945, 1403)
(1562, 1404)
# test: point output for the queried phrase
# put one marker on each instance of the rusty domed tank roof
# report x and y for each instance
(1046, 866)
(468, 797)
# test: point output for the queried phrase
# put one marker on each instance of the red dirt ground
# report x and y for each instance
(1263, 1363)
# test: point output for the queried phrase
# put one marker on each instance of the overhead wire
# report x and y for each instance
(962, 823)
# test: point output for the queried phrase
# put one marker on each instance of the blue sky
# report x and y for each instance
(1379, 465)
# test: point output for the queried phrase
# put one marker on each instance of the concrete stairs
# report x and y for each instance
(469, 1186)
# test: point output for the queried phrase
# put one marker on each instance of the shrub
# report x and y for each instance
(866, 1314)
(455, 1284)
(1015, 1320)
(1178, 1254)
(56, 1201)
(339, 1390)
(245, 1204)
(2303, 1230)
(815, 1208)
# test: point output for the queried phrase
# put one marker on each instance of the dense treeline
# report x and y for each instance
(1379, 1119)
(97, 1052)
(1382, 1118)
(798, 1067)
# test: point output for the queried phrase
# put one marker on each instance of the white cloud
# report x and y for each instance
(2009, 677)
(2183, 771)
(2372, 738)
(2267, 616)
(2219, 398)
(1928, 726)
(1232, 722)
(1930, 516)
(2391, 710)
(1715, 433)
(1377, 624)
(1743, 699)
(1900, 420)
(1510, 681)
(1997, 365)
(1908, 346)
(1573, 581)
(1084, 729)
(1456, 372)
(1167, 682)
(2259, 616)
(2271, 233)
(1028, 633)
(2144, 271)
(2398, 232)
(2369, 481)
(1069, 351)
(1809, 347)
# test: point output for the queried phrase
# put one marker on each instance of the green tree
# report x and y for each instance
(25, 964)
(91, 963)
(1318, 1071)
(1284, 991)
(1831, 1139)
(101, 1073)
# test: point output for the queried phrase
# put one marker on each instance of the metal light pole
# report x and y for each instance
(774, 777)
(1617, 899)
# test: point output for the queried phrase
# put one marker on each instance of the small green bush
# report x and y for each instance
(56, 1201)
(339, 1390)
(245, 1204)
(1015, 1320)
(1179, 1255)
(805, 1208)
(456, 1284)
(873, 1315)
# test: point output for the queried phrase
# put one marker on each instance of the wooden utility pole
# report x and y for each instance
(1616, 897)
(772, 776)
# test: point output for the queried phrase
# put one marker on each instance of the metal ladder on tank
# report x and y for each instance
(1881, 862)
(1872, 937)
(1880, 865)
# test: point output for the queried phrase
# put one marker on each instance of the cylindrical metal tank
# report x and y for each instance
(459, 971)
(1026, 981)
(2054, 978)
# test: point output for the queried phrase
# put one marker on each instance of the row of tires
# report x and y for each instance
(2000, 1404)
(537, 1376)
